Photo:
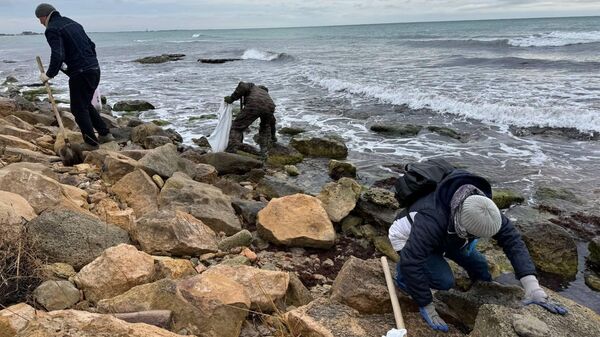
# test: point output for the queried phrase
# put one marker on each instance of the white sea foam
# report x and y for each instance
(505, 114)
(255, 54)
(556, 39)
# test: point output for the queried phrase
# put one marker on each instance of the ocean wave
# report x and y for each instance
(521, 63)
(504, 114)
(255, 54)
(556, 39)
(454, 43)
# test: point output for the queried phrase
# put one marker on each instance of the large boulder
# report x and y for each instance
(328, 147)
(372, 296)
(113, 165)
(165, 161)
(406, 130)
(63, 235)
(280, 155)
(109, 211)
(248, 210)
(339, 169)
(167, 267)
(117, 270)
(15, 318)
(296, 220)
(170, 232)
(160, 59)
(26, 135)
(30, 156)
(139, 191)
(211, 305)
(85, 324)
(40, 191)
(141, 132)
(13, 141)
(377, 206)
(14, 212)
(203, 201)
(266, 288)
(339, 198)
(229, 163)
(133, 105)
(56, 295)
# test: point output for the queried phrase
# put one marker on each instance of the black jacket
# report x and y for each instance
(69, 44)
(433, 233)
(256, 98)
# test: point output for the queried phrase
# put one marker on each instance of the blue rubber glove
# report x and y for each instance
(471, 247)
(534, 294)
(432, 318)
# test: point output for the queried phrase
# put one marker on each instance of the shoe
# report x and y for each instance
(106, 138)
(87, 147)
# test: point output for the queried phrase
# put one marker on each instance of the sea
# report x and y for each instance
(480, 78)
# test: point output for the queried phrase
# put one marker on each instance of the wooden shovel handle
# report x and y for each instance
(392, 292)
(51, 97)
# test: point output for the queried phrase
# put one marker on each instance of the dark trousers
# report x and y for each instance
(81, 90)
(440, 275)
(266, 130)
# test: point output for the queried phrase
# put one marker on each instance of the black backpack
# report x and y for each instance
(421, 179)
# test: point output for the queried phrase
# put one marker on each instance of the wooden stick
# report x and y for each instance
(392, 292)
(51, 98)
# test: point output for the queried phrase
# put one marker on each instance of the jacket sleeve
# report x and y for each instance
(57, 47)
(511, 242)
(425, 237)
(243, 89)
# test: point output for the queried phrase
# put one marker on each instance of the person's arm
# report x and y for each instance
(58, 51)
(243, 89)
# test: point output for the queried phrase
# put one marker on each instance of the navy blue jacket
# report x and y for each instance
(433, 232)
(69, 44)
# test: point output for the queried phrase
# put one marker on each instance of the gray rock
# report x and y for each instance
(529, 326)
(327, 147)
(272, 187)
(165, 161)
(280, 155)
(160, 59)
(240, 239)
(594, 257)
(152, 142)
(291, 131)
(248, 210)
(74, 238)
(375, 213)
(134, 105)
(407, 130)
(56, 295)
(339, 169)
(229, 163)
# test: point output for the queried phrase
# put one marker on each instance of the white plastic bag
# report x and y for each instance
(219, 139)
(97, 100)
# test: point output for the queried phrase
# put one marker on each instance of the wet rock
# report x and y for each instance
(339, 198)
(175, 269)
(592, 280)
(594, 257)
(217, 61)
(248, 210)
(174, 233)
(56, 295)
(242, 238)
(165, 161)
(272, 187)
(569, 133)
(372, 296)
(298, 220)
(447, 132)
(205, 305)
(203, 201)
(85, 324)
(291, 131)
(291, 170)
(407, 130)
(160, 59)
(280, 155)
(229, 163)
(506, 198)
(135, 105)
(71, 237)
(139, 191)
(545, 194)
(14, 211)
(117, 270)
(265, 288)
(338, 169)
(320, 147)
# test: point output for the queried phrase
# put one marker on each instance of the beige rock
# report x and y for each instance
(296, 220)
(15, 318)
(6, 140)
(139, 192)
(36, 167)
(26, 135)
(18, 122)
(170, 232)
(14, 211)
(108, 211)
(84, 324)
(167, 267)
(117, 270)
(76, 195)
(58, 271)
(29, 155)
(266, 288)
(339, 198)
(72, 136)
(158, 181)
(56, 295)
(203, 201)
(117, 166)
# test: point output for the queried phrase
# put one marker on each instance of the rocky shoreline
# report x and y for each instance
(150, 230)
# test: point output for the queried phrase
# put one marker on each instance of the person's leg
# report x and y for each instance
(239, 124)
(438, 271)
(264, 134)
(272, 123)
(78, 88)
(92, 79)
(473, 262)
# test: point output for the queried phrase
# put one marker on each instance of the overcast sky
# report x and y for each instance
(122, 15)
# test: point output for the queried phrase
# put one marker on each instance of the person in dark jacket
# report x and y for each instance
(446, 224)
(71, 45)
(256, 103)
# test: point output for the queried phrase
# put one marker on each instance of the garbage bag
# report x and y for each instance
(219, 139)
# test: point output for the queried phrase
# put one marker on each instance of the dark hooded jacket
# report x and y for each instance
(256, 98)
(433, 232)
(69, 44)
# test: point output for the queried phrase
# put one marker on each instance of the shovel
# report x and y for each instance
(400, 330)
(69, 154)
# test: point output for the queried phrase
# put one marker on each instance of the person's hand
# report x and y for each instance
(228, 99)
(432, 318)
(44, 78)
(534, 294)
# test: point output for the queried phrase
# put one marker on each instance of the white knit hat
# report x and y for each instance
(479, 216)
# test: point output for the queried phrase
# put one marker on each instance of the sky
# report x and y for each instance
(127, 15)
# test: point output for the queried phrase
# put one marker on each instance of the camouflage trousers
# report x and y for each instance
(266, 130)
